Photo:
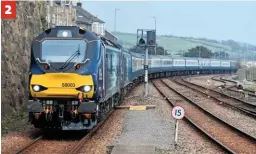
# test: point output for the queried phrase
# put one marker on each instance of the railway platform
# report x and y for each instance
(133, 149)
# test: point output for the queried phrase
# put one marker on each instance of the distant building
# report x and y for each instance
(86, 20)
(60, 13)
(89, 21)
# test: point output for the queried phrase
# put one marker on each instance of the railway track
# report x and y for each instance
(29, 144)
(78, 145)
(226, 136)
(234, 88)
(247, 108)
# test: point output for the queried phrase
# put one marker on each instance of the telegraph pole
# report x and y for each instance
(164, 50)
(149, 43)
(115, 19)
(155, 30)
(146, 71)
(199, 51)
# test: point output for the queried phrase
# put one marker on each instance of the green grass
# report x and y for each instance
(174, 45)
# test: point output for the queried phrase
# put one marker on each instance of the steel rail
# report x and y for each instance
(247, 108)
(79, 145)
(29, 144)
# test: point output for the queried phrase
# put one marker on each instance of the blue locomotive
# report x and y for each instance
(77, 77)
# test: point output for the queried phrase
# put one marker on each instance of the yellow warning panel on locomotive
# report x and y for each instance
(138, 108)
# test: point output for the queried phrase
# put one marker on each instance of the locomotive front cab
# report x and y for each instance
(62, 79)
(62, 63)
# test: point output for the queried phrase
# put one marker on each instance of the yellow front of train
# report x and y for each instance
(61, 85)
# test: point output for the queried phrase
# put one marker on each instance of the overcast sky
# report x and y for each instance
(213, 20)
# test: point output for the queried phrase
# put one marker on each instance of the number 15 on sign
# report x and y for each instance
(177, 113)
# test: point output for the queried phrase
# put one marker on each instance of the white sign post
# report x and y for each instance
(246, 95)
(177, 113)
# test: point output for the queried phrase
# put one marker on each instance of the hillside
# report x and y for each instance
(176, 45)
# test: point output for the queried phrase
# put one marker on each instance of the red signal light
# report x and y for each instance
(77, 66)
(46, 66)
(151, 42)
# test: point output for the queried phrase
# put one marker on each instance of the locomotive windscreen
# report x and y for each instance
(62, 50)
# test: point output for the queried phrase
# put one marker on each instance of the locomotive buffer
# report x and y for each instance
(150, 42)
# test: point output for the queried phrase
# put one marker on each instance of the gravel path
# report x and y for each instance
(146, 127)
(233, 117)
(158, 133)
(156, 127)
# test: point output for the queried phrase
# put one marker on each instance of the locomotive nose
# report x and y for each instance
(61, 85)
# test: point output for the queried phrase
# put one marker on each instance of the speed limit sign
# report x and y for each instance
(178, 112)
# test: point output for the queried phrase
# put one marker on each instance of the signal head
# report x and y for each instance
(141, 41)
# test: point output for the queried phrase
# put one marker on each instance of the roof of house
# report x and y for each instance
(83, 19)
(87, 17)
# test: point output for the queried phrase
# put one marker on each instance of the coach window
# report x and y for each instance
(100, 51)
(133, 64)
(109, 57)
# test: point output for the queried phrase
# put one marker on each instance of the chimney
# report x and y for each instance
(79, 4)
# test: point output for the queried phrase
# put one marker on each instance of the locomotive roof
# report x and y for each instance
(76, 32)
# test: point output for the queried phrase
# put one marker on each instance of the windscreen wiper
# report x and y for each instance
(74, 55)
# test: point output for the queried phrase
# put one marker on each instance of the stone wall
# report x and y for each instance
(17, 36)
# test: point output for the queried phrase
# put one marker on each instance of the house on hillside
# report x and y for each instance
(88, 21)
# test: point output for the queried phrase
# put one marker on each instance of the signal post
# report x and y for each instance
(146, 39)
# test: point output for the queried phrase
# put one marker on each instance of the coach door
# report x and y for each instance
(122, 68)
(103, 53)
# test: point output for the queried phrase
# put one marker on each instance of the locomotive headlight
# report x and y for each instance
(87, 88)
(36, 88)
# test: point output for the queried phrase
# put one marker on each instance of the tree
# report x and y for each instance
(221, 55)
(151, 51)
(235, 47)
(199, 51)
